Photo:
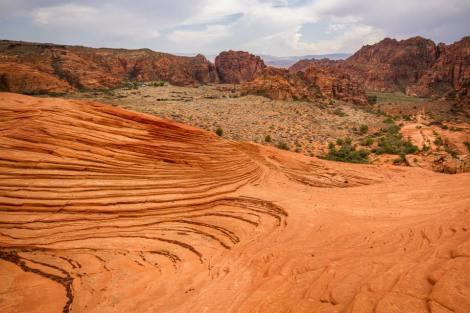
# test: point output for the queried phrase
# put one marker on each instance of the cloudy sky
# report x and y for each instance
(276, 27)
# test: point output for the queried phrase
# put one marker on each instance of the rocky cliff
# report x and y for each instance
(39, 68)
(235, 67)
(449, 75)
(416, 66)
(312, 84)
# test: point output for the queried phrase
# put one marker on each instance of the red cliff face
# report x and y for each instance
(236, 67)
(36, 68)
(391, 65)
(302, 65)
(310, 85)
(415, 66)
(449, 75)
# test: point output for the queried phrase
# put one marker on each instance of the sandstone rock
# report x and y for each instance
(415, 66)
(336, 84)
(280, 84)
(236, 67)
(58, 68)
(310, 85)
(449, 75)
(391, 65)
(302, 65)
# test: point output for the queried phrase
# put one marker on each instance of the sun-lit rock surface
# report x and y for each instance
(310, 85)
(47, 68)
(107, 210)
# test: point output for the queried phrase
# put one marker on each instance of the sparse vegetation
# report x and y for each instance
(267, 138)
(339, 112)
(367, 142)
(219, 131)
(157, 83)
(392, 142)
(130, 84)
(392, 97)
(372, 99)
(283, 146)
(364, 129)
(451, 151)
(346, 152)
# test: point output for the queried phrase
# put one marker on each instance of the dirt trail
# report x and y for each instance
(107, 210)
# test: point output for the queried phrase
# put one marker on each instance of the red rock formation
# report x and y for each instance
(29, 67)
(391, 65)
(415, 66)
(279, 84)
(336, 84)
(449, 75)
(302, 65)
(310, 85)
(236, 67)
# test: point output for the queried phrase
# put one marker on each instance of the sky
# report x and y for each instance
(274, 27)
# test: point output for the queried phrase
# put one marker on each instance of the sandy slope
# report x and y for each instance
(106, 210)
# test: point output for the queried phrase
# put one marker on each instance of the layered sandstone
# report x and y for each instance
(58, 68)
(235, 67)
(107, 210)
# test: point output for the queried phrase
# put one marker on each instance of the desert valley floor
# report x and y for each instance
(108, 210)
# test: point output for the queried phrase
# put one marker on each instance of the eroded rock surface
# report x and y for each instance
(312, 84)
(39, 68)
(235, 67)
(108, 210)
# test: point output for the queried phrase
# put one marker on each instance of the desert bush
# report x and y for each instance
(267, 138)
(392, 142)
(282, 146)
(346, 152)
(451, 151)
(400, 160)
(219, 131)
(364, 129)
(372, 99)
(130, 84)
(157, 83)
(367, 142)
(438, 141)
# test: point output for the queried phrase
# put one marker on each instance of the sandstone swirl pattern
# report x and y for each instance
(106, 210)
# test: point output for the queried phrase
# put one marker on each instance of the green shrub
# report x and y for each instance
(267, 138)
(392, 142)
(157, 83)
(372, 99)
(438, 141)
(367, 142)
(451, 151)
(282, 146)
(346, 153)
(364, 129)
(219, 131)
(401, 159)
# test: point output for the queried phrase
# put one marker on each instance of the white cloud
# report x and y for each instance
(261, 26)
